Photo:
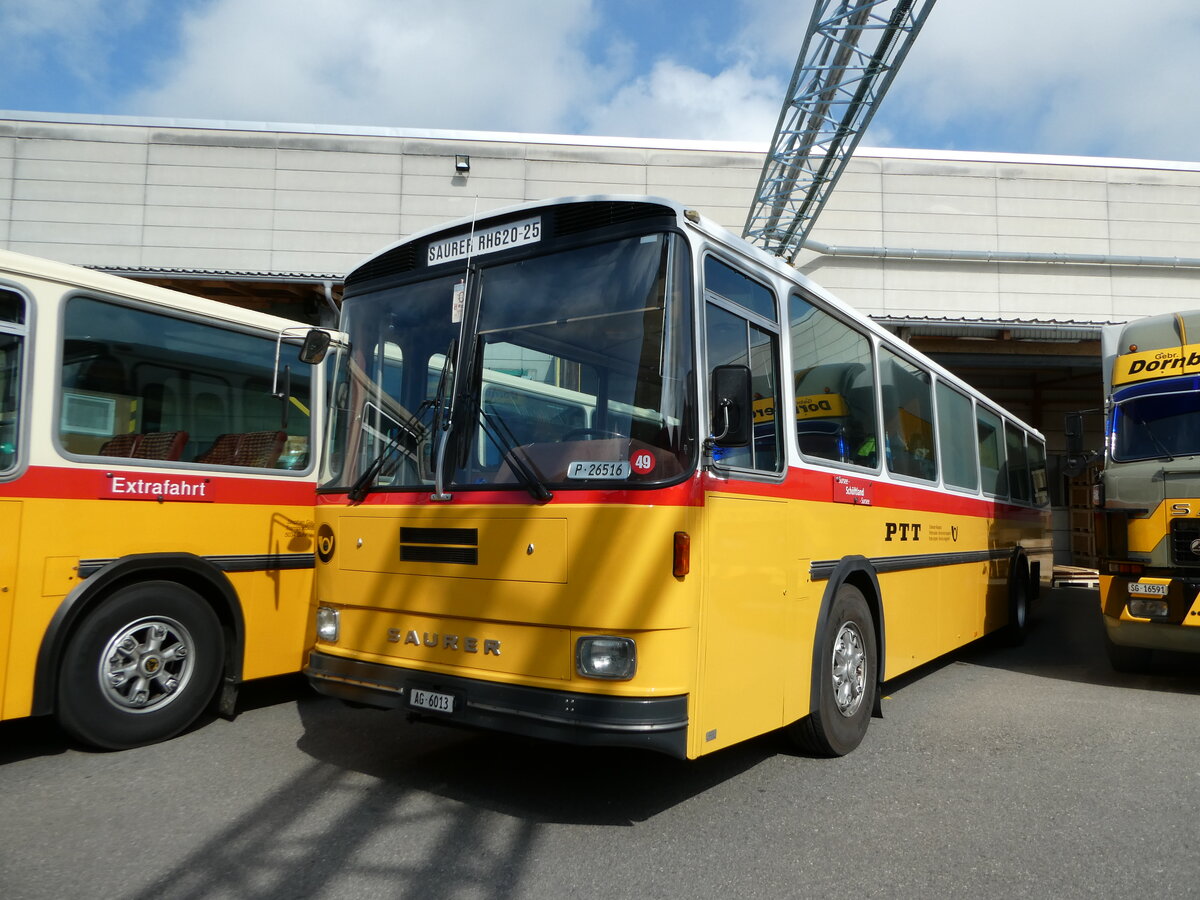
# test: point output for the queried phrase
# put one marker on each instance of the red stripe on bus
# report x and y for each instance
(799, 484)
(172, 485)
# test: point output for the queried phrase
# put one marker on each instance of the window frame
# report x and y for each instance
(751, 317)
(870, 342)
(180, 314)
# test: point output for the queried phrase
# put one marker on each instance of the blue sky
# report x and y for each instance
(1075, 77)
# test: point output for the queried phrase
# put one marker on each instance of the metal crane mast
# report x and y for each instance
(850, 55)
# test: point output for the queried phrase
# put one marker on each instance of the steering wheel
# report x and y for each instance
(590, 434)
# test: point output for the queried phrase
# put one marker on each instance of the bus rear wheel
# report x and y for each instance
(141, 667)
(847, 674)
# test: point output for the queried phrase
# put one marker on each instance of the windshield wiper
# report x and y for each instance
(412, 430)
(501, 435)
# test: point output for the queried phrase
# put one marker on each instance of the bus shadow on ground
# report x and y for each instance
(533, 780)
(1067, 642)
(402, 809)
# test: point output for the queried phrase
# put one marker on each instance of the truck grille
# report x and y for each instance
(1185, 542)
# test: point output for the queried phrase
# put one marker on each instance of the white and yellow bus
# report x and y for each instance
(157, 477)
(659, 491)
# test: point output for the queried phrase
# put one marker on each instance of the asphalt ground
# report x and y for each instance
(1033, 771)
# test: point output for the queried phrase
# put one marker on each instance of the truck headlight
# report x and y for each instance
(604, 656)
(1146, 608)
(328, 625)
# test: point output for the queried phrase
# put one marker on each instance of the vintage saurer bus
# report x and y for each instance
(157, 482)
(599, 471)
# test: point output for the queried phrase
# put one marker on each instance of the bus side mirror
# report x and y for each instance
(316, 344)
(732, 406)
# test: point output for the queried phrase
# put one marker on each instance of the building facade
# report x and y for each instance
(1002, 267)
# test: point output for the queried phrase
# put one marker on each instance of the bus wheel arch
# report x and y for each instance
(846, 675)
(198, 604)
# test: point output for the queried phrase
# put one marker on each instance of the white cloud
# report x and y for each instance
(680, 102)
(519, 65)
(1105, 78)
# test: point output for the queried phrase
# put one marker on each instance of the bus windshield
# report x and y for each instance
(1157, 421)
(567, 369)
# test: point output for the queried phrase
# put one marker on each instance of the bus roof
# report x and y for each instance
(733, 243)
(19, 265)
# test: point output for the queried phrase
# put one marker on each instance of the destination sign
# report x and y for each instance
(485, 240)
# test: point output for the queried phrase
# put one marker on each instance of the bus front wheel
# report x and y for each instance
(141, 667)
(847, 674)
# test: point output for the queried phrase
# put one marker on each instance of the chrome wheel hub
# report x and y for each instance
(146, 664)
(849, 669)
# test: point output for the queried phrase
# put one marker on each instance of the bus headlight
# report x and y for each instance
(604, 656)
(327, 624)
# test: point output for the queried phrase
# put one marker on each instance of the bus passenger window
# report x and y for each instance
(139, 384)
(12, 314)
(1018, 464)
(835, 387)
(908, 417)
(956, 439)
(991, 453)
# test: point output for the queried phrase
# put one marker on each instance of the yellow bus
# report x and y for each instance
(1148, 494)
(709, 500)
(157, 478)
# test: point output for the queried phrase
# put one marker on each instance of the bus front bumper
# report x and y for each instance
(651, 723)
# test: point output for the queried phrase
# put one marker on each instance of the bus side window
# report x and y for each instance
(835, 387)
(1018, 463)
(137, 383)
(992, 471)
(733, 338)
(12, 314)
(908, 417)
(956, 439)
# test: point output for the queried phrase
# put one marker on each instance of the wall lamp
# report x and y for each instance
(462, 164)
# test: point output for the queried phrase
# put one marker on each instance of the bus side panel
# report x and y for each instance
(750, 579)
(275, 603)
(276, 609)
(10, 542)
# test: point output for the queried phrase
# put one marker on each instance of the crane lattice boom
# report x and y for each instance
(850, 55)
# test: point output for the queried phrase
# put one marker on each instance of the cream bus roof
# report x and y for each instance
(20, 268)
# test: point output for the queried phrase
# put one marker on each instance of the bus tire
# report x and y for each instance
(1020, 604)
(141, 667)
(847, 673)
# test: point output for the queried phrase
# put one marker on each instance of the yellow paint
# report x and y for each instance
(37, 533)
(736, 634)
(1151, 364)
(10, 543)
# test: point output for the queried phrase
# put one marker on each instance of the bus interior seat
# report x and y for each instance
(153, 445)
(119, 445)
(160, 445)
(252, 449)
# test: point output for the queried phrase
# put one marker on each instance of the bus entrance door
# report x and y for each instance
(744, 621)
